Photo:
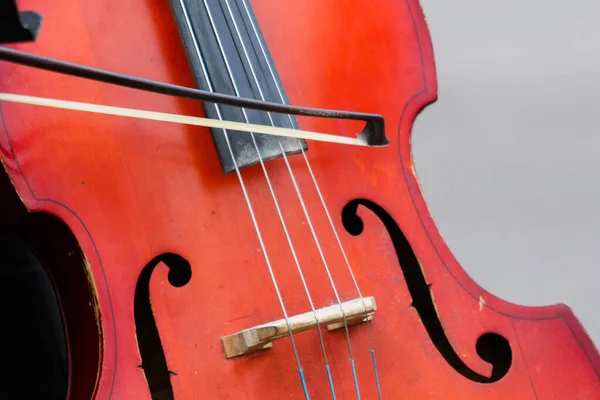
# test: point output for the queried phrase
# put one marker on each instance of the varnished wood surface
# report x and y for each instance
(131, 190)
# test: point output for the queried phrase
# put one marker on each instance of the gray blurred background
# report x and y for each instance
(509, 155)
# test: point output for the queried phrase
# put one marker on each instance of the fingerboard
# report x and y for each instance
(222, 41)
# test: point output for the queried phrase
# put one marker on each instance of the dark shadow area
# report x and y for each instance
(50, 335)
(34, 351)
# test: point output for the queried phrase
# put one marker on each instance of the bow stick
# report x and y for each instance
(373, 133)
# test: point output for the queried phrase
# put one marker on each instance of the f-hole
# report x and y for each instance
(491, 347)
(154, 362)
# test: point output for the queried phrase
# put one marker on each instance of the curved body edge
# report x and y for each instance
(136, 193)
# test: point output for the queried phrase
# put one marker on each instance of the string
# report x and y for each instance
(296, 188)
(322, 200)
(250, 209)
(302, 203)
(276, 202)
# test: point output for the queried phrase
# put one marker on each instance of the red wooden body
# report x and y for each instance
(131, 189)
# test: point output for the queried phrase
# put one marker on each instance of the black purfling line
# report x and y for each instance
(373, 133)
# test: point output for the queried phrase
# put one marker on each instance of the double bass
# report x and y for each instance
(223, 195)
